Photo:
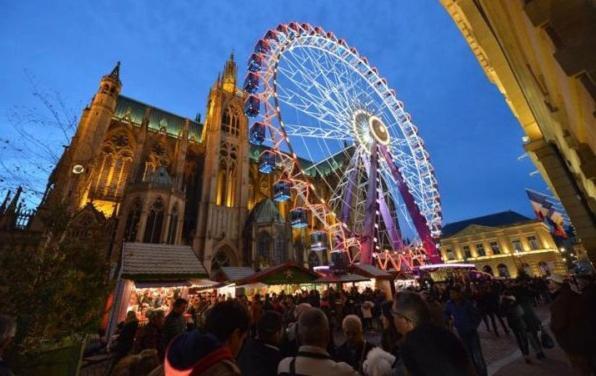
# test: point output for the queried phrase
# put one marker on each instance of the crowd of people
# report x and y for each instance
(282, 334)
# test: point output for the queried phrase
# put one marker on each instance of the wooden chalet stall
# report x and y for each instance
(288, 277)
(151, 276)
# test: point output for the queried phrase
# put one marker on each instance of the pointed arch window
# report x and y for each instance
(173, 225)
(230, 122)
(113, 168)
(132, 221)
(154, 222)
(264, 248)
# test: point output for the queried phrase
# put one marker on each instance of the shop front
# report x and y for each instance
(288, 277)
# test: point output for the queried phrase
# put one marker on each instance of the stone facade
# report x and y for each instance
(504, 248)
(541, 55)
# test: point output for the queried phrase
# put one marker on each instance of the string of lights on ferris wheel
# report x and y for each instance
(346, 111)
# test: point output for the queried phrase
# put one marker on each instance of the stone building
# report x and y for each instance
(541, 55)
(501, 244)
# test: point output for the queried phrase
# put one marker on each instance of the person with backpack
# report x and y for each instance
(465, 317)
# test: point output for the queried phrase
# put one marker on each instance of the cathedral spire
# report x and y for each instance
(115, 73)
(229, 75)
(5, 202)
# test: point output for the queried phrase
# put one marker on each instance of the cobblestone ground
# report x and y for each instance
(503, 357)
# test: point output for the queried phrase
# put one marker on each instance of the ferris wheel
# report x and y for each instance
(348, 157)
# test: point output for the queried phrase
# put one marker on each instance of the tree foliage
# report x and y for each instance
(58, 288)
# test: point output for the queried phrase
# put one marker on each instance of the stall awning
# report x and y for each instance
(370, 271)
(160, 262)
(284, 274)
(341, 278)
(234, 273)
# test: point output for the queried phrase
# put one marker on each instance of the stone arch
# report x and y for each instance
(132, 220)
(488, 269)
(223, 256)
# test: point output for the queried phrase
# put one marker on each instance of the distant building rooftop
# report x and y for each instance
(505, 218)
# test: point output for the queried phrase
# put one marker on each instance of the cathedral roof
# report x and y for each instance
(134, 111)
(266, 212)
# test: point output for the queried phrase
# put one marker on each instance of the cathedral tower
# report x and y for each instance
(71, 176)
(224, 198)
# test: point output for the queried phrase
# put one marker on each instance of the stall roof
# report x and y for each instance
(284, 274)
(163, 262)
(341, 278)
(235, 273)
(371, 271)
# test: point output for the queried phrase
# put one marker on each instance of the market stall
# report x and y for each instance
(376, 278)
(152, 276)
(288, 277)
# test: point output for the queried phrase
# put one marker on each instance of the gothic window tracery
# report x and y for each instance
(264, 248)
(114, 166)
(220, 259)
(173, 225)
(227, 176)
(230, 121)
(157, 157)
(132, 221)
(154, 222)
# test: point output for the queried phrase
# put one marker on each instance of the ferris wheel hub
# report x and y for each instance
(369, 128)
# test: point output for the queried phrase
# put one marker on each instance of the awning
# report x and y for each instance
(370, 271)
(160, 262)
(341, 278)
(233, 273)
(288, 273)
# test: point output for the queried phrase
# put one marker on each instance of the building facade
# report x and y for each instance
(541, 55)
(502, 244)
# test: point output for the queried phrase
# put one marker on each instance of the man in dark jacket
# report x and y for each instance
(213, 353)
(174, 324)
(412, 320)
(355, 349)
(260, 356)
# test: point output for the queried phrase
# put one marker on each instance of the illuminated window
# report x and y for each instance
(480, 250)
(533, 242)
(450, 254)
(230, 122)
(517, 245)
(494, 247)
(467, 252)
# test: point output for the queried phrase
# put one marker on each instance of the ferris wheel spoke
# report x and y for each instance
(314, 132)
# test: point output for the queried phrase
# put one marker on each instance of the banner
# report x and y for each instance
(549, 210)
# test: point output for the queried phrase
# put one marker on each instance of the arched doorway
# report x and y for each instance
(503, 270)
(488, 269)
(220, 258)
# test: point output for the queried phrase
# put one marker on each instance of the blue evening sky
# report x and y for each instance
(172, 51)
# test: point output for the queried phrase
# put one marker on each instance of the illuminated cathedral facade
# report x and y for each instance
(162, 178)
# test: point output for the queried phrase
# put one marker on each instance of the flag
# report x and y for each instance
(550, 211)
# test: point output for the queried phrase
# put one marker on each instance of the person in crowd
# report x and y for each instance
(526, 299)
(126, 336)
(149, 336)
(174, 323)
(572, 321)
(261, 356)
(312, 357)
(291, 342)
(366, 309)
(515, 319)
(8, 330)
(412, 320)
(491, 306)
(390, 337)
(355, 349)
(437, 316)
(212, 353)
(461, 313)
